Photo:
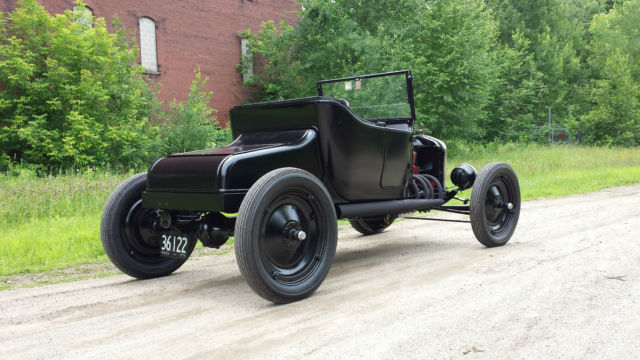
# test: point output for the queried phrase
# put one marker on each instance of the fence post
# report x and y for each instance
(550, 128)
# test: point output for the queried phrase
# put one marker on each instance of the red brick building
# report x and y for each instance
(177, 37)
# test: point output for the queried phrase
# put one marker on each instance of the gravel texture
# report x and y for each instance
(567, 286)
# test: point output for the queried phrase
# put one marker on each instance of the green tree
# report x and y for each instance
(448, 44)
(330, 39)
(554, 34)
(72, 92)
(452, 52)
(614, 92)
(191, 125)
(515, 98)
(485, 70)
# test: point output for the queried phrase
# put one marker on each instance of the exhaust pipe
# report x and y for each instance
(376, 208)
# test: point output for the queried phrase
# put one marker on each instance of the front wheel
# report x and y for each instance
(495, 204)
(129, 236)
(285, 235)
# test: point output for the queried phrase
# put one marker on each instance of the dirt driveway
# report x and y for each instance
(567, 286)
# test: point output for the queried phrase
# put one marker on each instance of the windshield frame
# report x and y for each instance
(409, 79)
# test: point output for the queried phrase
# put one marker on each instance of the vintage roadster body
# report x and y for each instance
(294, 168)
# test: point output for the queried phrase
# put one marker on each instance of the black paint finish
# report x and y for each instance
(217, 179)
(354, 151)
(377, 208)
(357, 160)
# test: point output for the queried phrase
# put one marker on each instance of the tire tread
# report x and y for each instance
(477, 203)
(110, 236)
(246, 217)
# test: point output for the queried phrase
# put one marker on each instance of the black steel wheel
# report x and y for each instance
(128, 235)
(495, 204)
(373, 225)
(285, 235)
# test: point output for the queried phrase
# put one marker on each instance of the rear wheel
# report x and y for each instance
(371, 226)
(128, 233)
(495, 204)
(285, 235)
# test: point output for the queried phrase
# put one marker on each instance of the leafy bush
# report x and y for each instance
(191, 125)
(72, 92)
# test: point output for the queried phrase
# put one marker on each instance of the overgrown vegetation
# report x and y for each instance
(191, 125)
(52, 222)
(73, 96)
(486, 70)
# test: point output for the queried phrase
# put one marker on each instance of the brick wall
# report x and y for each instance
(192, 34)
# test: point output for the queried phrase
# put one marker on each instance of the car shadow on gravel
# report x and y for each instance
(388, 251)
(345, 262)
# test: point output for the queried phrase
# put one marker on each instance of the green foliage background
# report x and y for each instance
(486, 70)
(73, 96)
(190, 125)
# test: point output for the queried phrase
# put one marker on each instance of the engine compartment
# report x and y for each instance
(430, 156)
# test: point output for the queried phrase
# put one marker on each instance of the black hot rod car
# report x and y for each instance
(295, 168)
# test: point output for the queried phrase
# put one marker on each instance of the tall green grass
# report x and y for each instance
(52, 222)
(558, 170)
(28, 197)
(49, 223)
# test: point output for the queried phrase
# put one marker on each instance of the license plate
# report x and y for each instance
(174, 246)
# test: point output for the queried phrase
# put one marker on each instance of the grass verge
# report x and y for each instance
(560, 170)
(49, 223)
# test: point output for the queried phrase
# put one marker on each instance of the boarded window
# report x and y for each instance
(247, 60)
(148, 55)
(83, 15)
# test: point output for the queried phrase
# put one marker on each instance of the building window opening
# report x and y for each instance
(247, 60)
(83, 15)
(148, 55)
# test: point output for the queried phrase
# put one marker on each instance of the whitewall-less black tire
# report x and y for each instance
(495, 204)
(125, 229)
(372, 226)
(285, 235)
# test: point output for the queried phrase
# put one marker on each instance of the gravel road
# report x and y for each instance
(567, 286)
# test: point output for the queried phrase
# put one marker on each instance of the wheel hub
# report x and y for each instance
(288, 241)
(286, 233)
(503, 205)
(140, 233)
(493, 207)
(163, 219)
(297, 235)
(498, 206)
(292, 235)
